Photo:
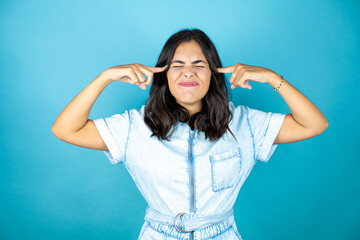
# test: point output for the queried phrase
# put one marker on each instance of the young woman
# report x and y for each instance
(189, 149)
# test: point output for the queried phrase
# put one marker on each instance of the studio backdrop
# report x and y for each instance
(51, 50)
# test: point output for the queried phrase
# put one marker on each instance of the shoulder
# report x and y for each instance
(246, 111)
(129, 114)
(239, 114)
(237, 110)
(136, 112)
(136, 115)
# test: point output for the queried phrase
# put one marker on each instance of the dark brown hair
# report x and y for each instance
(162, 111)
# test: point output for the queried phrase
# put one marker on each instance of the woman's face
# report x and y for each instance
(189, 76)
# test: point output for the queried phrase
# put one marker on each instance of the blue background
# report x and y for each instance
(51, 50)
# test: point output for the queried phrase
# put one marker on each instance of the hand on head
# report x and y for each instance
(242, 74)
(134, 74)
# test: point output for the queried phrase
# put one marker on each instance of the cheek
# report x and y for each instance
(172, 75)
(171, 82)
(205, 76)
(170, 78)
(205, 73)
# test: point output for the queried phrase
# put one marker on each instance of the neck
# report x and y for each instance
(193, 108)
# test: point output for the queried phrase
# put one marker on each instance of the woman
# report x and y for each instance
(189, 149)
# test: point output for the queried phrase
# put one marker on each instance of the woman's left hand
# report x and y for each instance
(242, 74)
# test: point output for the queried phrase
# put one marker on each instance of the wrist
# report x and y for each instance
(106, 76)
(102, 80)
(274, 80)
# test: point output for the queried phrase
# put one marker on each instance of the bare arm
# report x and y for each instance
(73, 126)
(75, 115)
(304, 121)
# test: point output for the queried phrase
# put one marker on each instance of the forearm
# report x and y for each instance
(302, 109)
(75, 115)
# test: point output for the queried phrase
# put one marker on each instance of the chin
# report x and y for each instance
(188, 102)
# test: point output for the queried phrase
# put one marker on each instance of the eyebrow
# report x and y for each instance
(194, 62)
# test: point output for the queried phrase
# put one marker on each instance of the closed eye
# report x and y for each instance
(182, 66)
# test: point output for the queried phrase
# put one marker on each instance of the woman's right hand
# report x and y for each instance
(133, 74)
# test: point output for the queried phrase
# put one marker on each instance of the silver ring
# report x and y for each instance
(178, 229)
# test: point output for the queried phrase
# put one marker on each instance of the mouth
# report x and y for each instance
(188, 84)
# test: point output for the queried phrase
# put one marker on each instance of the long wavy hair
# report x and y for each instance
(162, 111)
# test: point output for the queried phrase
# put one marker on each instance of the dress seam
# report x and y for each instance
(127, 139)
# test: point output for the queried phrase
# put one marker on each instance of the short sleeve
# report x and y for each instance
(114, 131)
(264, 126)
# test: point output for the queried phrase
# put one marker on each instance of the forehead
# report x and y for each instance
(189, 50)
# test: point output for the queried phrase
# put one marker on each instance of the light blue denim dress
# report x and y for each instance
(189, 183)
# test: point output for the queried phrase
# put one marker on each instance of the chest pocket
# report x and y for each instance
(225, 169)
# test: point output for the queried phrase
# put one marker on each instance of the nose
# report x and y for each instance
(188, 71)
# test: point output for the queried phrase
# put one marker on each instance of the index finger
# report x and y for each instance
(226, 69)
(157, 69)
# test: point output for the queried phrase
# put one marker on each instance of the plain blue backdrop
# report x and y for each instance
(51, 50)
